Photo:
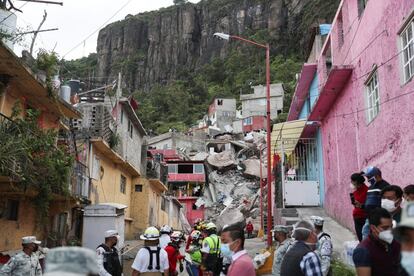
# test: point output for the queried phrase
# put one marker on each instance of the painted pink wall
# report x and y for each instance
(349, 143)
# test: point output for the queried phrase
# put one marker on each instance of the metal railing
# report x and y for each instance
(80, 184)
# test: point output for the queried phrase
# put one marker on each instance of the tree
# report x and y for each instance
(179, 2)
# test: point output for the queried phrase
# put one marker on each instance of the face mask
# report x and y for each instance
(407, 262)
(225, 250)
(388, 205)
(386, 236)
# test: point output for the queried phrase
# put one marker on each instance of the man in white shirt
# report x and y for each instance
(165, 238)
(151, 259)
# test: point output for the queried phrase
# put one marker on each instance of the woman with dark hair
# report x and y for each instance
(358, 197)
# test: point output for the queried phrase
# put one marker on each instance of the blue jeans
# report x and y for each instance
(192, 269)
(365, 230)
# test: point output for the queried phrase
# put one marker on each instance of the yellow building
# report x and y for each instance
(112, 179)
(151, 207)
(19, 87)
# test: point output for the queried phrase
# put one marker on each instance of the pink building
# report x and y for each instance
(253, 123)
(363, 100)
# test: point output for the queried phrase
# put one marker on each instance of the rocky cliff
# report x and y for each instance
(153, 47)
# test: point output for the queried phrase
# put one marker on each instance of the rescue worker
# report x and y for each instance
(198, 226)
(71, 260)
(165, 232)
(211, 259)
(173, 251)
(25, 263)
(107, 255)
(193, 265)
(280, 233)
(324, 246)
(151, 259)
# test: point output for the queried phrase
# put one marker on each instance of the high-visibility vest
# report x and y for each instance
(214, 244)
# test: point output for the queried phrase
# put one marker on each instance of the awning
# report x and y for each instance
(337, 79)
(288, 132)
(302, 90)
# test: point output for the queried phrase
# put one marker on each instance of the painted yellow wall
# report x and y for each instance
(108, 189)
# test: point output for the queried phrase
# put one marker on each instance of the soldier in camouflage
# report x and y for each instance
(280, 233)
(71, 260)
(324, 247)
(25, 263)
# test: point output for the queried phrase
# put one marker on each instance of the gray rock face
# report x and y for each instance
(153, 47)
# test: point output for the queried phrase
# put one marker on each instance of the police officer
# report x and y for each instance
(324, 248)
(212, 262)
(280, 233)
(107, 255)
(71, 260)
(151, 259)
(25, 263)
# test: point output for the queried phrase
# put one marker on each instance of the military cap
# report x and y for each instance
(30, 239)
(316, 220)
(281, 228)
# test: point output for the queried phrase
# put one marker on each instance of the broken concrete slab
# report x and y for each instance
(230, 216)
(253, 166)
(222, 160)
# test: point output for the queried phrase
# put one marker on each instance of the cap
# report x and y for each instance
(281, 228)
(371, 172)
(407, 219)
(112, 233)
(316, 220)
(150, 234)
(71, 261)
(30, 239)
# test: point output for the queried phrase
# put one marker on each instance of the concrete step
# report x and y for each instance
(289, 212)
(289, 221)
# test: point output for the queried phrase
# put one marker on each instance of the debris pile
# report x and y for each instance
(232, 193)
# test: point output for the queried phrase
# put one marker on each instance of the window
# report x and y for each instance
(163, 203)
(130, 129)
(123, 184)
(361, 6)
(219, 102)
(372, 92)
(247, 121)
(122, 116)
(96, 168)
(11, 211)
(340, 25)
(138, 188)
(172, 168)
(408, 51)
(198, 168)
(185, 168)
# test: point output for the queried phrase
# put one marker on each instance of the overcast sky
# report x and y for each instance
(76, 20)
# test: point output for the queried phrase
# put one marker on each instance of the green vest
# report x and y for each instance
(214, 244)
(196, 257)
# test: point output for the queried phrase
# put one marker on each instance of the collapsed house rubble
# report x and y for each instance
(232, 192)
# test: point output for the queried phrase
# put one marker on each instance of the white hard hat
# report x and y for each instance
(317, 220)
(210, 226)
(166, 229)
(150, 234)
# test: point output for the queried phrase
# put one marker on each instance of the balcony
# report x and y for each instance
(80, 181)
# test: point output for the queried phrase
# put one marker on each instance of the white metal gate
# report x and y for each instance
(300, 172)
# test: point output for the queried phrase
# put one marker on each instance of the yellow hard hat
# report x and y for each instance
(150, 234)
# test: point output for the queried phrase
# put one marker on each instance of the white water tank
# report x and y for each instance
(65, 93)
(8, 26)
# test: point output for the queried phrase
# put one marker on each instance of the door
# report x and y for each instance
(300, 172)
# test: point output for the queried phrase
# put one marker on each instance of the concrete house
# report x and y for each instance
(254, 106)
(18, 214)
(358, 94)
(221, 113)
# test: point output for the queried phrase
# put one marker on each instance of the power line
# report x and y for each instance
(95, 31)
(4, 19)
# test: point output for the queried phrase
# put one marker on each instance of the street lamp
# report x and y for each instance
(269, 164)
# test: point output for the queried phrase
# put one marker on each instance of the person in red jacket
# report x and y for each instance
(358, 197)
(249, 230)
(173, 251)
